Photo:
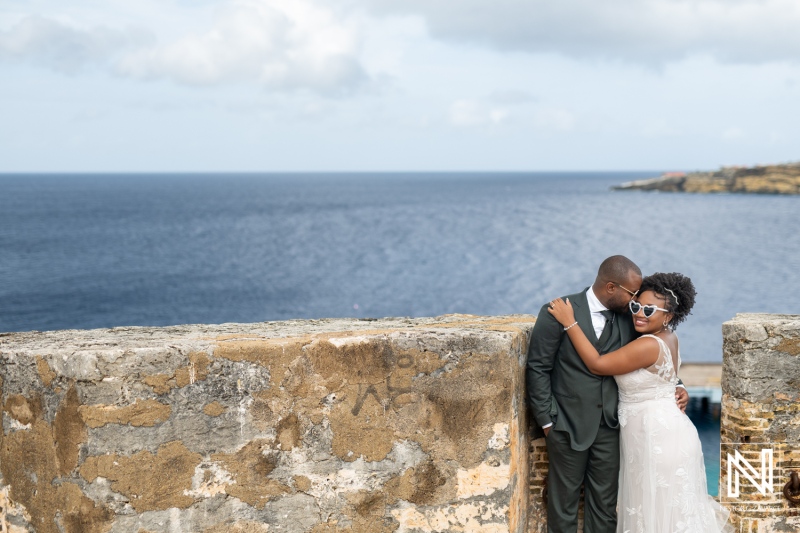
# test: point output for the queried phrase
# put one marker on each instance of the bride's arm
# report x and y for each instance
(640, 353)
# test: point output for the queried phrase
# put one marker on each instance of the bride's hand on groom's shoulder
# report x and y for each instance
(562, 311)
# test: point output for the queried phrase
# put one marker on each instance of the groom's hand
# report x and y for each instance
(682, 398)
(547, 430)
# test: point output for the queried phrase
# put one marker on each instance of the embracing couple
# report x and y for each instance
(603, 384)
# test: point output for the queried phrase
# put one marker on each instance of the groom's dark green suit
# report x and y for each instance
(583, 443)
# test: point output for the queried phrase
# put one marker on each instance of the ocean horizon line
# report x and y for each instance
(314, 172)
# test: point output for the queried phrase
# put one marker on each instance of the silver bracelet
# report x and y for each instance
(573, 324)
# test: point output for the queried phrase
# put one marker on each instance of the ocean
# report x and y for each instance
(102, 250)
(88, 251)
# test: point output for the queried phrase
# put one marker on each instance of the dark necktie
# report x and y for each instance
(604, 336)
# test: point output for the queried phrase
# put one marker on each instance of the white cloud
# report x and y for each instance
(52, 44)
(555, 119)
(466, 113)
(512, 97)
(646, 31)
(278, 44)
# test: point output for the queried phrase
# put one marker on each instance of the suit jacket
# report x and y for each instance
(560, 387)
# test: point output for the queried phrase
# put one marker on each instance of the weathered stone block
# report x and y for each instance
(757, 368)
(299, 426)
(761, 391)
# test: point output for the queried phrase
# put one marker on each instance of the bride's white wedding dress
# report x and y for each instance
(662, 483)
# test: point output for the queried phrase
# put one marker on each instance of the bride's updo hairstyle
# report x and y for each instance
(676, 289)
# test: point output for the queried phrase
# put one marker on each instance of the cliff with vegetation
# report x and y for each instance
(765, 179)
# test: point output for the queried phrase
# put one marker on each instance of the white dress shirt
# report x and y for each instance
(598, 320)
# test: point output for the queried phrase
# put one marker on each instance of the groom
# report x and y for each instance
(578, 410)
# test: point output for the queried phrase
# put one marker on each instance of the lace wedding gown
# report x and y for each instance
(662, 483)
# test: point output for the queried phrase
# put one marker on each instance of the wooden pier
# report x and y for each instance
(703, 380)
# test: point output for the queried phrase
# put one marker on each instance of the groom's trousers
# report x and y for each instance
(597, 468)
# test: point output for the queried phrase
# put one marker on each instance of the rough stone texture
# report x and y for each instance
(404, 425)
(539, 467)
(761, 409)
(762, 179)
(538, 462)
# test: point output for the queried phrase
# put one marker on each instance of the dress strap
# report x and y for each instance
(663, 348)
(659, 339)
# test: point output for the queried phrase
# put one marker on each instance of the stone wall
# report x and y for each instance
(538, 463)
(404, 425)
(761, 410)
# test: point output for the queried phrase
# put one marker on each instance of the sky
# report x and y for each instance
(397, 85)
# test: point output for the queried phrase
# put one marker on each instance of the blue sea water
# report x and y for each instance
(87, 251)
(705, 418)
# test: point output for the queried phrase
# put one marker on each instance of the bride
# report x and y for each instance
(662, 481)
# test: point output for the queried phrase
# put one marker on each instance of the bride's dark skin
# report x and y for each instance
(641, 353)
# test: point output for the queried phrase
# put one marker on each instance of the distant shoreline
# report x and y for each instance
(762, 179)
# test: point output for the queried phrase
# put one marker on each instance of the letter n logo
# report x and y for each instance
(737, 464)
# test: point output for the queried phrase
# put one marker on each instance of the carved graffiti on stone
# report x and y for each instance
(392, 391)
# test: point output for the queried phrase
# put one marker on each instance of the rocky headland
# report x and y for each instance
(763, 179)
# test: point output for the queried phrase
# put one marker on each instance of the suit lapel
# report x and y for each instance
(627, 331)
(584, 317)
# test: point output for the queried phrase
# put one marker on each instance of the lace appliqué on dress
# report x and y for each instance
(662, 486)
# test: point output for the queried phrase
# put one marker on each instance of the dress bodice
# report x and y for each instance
(652, 383)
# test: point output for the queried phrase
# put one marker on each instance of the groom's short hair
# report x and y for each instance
(616, 269)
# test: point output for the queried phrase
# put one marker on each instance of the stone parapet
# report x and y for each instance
(404, 425)
(407, 425)
(761, 411)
